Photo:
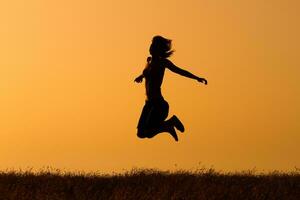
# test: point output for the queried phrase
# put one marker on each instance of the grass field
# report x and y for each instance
(149, 184)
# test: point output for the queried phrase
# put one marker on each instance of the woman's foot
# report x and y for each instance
(173, 133)
(177, 123)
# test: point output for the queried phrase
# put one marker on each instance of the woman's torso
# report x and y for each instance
(154, 74)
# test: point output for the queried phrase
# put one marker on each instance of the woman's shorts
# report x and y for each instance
(154, 114)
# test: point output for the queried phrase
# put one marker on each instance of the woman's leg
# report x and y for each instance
(166, 126)
(152, 121)
(143, 121)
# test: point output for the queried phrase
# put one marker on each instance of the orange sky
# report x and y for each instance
(68, 99)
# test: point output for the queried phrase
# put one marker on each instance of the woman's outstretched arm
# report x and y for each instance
(139, 79)
(183, 72)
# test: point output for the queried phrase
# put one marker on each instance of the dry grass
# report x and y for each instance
(149, 184)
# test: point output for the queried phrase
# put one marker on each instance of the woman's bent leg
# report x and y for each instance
(166, 126)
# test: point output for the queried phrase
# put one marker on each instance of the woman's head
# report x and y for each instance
(161, 47)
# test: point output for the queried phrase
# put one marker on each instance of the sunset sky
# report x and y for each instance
(68, 100)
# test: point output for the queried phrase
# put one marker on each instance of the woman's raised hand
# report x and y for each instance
(139, 79)
(202, 80)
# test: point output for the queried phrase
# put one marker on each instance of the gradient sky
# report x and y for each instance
(68, 99)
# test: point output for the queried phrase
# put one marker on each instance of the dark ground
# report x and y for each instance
(149, 184)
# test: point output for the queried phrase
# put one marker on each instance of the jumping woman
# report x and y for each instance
(153, 118)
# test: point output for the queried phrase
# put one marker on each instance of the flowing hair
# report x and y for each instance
(161, 47)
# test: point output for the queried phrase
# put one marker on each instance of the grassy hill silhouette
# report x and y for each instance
(149, 184)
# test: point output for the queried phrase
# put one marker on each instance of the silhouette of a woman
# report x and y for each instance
(152, 120)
